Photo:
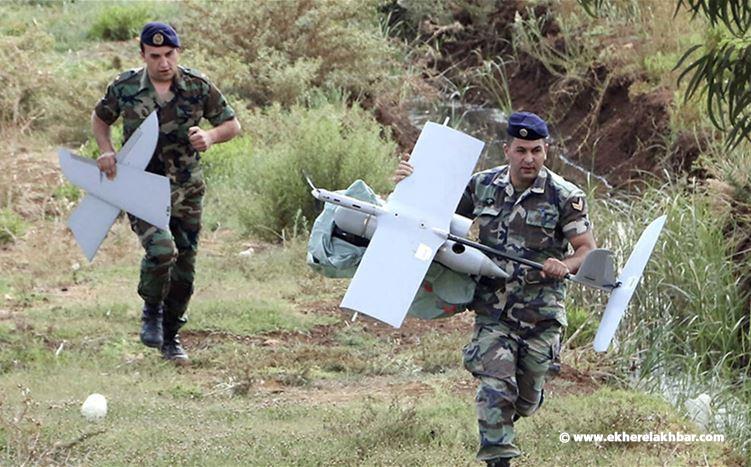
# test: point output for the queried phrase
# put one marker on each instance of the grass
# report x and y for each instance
(275, 380)
(279, 375)
(78, 25)
(147, 401)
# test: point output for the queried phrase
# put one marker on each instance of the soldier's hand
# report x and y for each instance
(404, 169)
(199, 139)
(107, 164)
(554, 268)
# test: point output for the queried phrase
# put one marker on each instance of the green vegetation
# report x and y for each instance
(264, 188)
(279, 375)
(281, 52)
(119, 23)
(723, 67)
(11, 225)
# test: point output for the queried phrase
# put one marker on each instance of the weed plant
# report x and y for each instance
(23, 77)
(12, 226)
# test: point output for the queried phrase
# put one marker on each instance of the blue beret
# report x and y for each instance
(158, 34)
(526, 125)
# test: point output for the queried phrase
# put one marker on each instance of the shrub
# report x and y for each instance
(11, 226)
(119, 23)
(39, 90)
(19, 93)
(67, 107)
(262, 185)
(280, 51)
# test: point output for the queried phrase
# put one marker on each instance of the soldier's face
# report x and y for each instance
(525, 159)
(161, 62)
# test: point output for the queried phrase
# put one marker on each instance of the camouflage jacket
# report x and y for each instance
(193, 97)
(534, 224)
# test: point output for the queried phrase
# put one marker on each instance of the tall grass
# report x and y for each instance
(688, 321)
(119, 23)
(689, 302)
(11, 226)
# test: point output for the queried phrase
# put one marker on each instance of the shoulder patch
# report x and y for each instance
(125, 75)
(194, 73)
(486, 176)
(564, 187)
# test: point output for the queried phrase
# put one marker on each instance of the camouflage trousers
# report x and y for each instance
(511, 366)
(168, 265)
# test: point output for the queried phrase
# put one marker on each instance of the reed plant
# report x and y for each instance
(687, 328)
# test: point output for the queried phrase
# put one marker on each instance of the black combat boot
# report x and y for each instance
(171, 348)
(499, 462)
(151, 328)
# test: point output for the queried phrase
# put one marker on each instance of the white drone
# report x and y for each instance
(143, 194)
(418, 225)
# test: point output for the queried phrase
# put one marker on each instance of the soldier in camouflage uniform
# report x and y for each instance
(181, 97)
(524, 209)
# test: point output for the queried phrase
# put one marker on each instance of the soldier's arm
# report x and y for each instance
(105, 114)
(578, 230)
(202, 140)
(103, 137)
(225, 131)
(582, 244)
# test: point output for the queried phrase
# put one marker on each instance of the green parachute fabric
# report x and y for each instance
(443, 293)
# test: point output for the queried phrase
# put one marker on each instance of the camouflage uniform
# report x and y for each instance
(168, 266)
(518, 321)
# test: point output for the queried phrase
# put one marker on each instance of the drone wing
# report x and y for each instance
(92, 219)
(629, 279)
(443, 159)
(392, 270)
(145, 195)
(138, 150)
(405, 241)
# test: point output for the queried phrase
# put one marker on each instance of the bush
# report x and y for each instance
(280, 51)
(67, 108)
(262, 186)
(53, 101)
(119, 23)
(11, 226)
(19, 94)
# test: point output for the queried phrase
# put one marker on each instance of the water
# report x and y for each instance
(486, 124)
(727, 413)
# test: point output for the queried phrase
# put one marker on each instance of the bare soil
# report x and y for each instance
(600, 122)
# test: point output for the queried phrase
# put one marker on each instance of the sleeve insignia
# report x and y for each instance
(577, 204)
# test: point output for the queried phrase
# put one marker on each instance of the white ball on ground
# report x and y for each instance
(94, 408)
